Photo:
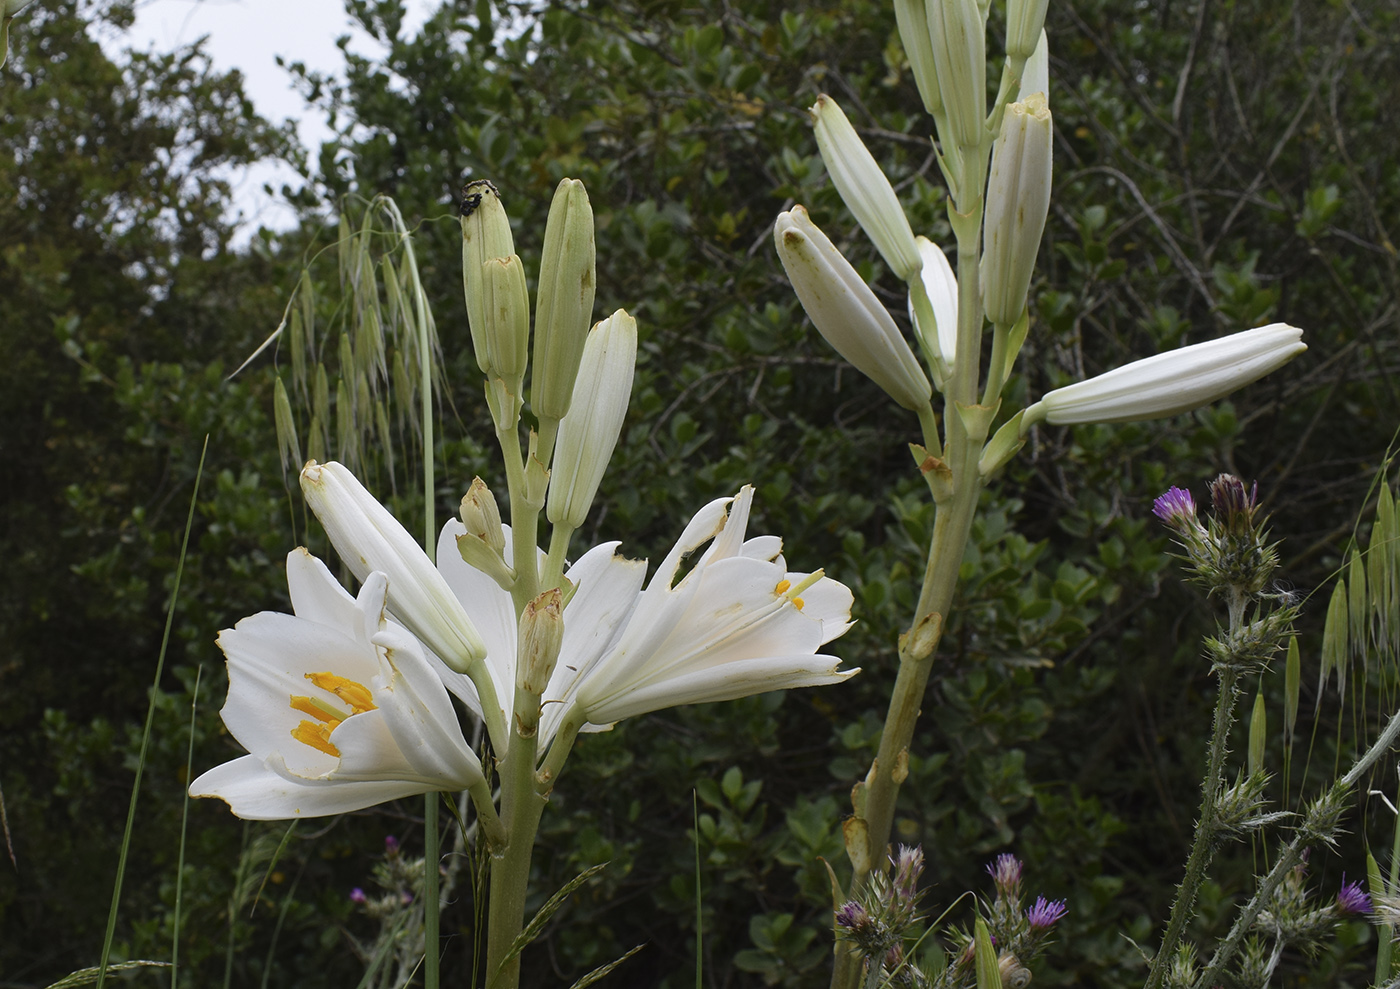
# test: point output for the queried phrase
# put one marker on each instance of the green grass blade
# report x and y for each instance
(699, 916)
(184, 827)
(432, 859)
(272, 865)
(87, 976)
(536, 925)
(603, 970)
(277, 929)
(146, 734)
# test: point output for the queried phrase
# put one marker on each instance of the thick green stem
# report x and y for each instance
(1207, 828)
(524, 519)
(521, 807)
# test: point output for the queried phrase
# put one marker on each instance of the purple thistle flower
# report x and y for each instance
(357, 895)
(908, 864)
(1231, 501)
(852, 916)
(1005, 871)
(1176, 507)
(391, 844)
(1352, 899)
(1043, 914)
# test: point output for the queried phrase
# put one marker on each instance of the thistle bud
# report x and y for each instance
(482, 517)
(846, 312)
(865, 189)
(589, 432)
(957, 35)
(564, 302)
(485, 235)
(502, 346)
(1018, 199)
(541, 632)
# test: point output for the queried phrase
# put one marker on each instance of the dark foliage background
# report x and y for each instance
(1217, 166)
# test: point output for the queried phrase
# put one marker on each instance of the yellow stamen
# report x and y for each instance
(782, 587)
(318, 710)
(316, 736)
(798, 602)
(352, 693)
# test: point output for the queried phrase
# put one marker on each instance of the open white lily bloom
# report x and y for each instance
(1174, 382)
(941, 285)
(369, 538)
(846, 312)
(337, 707)
(737, 624)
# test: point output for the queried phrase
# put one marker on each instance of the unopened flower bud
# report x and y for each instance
(846, 312)
(911, 16)
(957, 35)
(1177, 381)
(481, 515)
(1018, 199)
(1025, 20)
(541, 632)
(1006, 872)
(941, 287)
(865, 189)
(589, 432)
(1035, 75)
(485, 235)
(1234, 504)
(502, 345)
(564, 301)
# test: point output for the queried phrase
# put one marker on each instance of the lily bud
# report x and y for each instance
(485, 235)
(911, 17)
(957, 34)
(846, 312)
(589, 432)
(1025, 21)
(502, 346)
(541, 632)
(864, 188)
(482, 517)
(1035, 75)
(1018, 199)
(564, 302)
(1177, 381)
(368, 538)
(941, 286)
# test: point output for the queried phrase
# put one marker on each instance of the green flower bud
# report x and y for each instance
(482, 516)
(1025, 20)
(485, 235)
(502, 346)
(589, 432)
(564, 302)
(912, 18)
(1018, 199)
(957, 35)
(541, 632)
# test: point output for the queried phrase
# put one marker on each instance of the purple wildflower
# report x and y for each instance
(1005, 871)
(908, 864)
(1352, 899)
(391, 844)
(357, 895)
(852, 916)
(1232, 502)
(1043, 913)
(1175, 507)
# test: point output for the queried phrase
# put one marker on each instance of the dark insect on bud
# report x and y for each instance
(471, 200)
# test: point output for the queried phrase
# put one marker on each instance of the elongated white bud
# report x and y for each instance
(911, 16)
(957, 34)
(564, 302)
(846, 312)
(368, 538)
(864, 188)
(941, 285)
(1025, 22)
(1035, 76)
(1174, 382)
(1018, 199)
(589, 432)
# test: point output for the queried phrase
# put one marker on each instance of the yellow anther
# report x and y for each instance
(357, 695)
(799, 603)
(318, 710)
(316, 736)
(782, 587)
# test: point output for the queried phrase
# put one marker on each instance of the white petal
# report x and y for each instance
(941, 286)
(727, 682)
(255, 792)
(827, 601)
(491, 611)
(730, 540)
(763, 547)
(316, 595)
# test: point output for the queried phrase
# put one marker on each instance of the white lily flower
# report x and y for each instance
(737, 624)
(941, 286)
(1177, 381)
(337, 706)
(369, 538)
(588, 434)
(846, 312)
(864, 188)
